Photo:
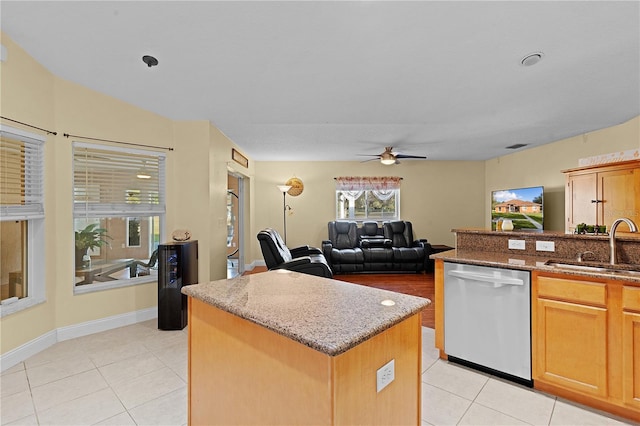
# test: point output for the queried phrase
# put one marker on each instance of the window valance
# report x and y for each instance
(367, 183)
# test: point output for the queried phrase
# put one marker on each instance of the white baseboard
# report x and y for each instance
(21, 353)
(250, 266)
(29, 349)
(104, 324)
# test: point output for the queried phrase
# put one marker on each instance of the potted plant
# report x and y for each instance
(90, 237)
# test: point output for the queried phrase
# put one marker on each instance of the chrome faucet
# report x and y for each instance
(583, 254)
(612, 235)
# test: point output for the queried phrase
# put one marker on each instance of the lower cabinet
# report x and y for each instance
(570, 343)
(631, 346)
(586, 341)
(572, 350)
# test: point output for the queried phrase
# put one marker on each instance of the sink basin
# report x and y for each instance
(594, 267)
(588, 268)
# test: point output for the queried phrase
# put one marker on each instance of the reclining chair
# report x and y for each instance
(342, 249)
(378, 253)
(303, 259)
(408, 254)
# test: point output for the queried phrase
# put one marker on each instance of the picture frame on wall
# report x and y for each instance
(239, 158)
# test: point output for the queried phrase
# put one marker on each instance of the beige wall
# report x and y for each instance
(196, 188)
(543, 166)
(27, 91)
(436, 196)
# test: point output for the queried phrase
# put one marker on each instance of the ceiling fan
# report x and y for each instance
(389, 157)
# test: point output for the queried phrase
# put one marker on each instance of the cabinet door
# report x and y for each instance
(571, 346)
(619, 193)
(631, 346)
(581, 191)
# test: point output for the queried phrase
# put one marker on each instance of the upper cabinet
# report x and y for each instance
(598, 195)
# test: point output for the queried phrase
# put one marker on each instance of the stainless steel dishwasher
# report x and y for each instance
(487, 319)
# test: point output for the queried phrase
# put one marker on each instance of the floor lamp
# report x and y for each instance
(284, 189)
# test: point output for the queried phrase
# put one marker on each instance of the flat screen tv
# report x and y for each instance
(524, 206)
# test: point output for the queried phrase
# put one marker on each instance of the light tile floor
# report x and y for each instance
(137, 375)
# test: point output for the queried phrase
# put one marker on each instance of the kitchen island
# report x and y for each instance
(286, 348)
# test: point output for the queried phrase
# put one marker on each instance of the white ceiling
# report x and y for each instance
(325, 80)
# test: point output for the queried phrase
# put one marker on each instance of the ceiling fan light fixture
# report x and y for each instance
(387, 159)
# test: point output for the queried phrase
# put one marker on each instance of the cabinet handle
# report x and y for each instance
(596, 201)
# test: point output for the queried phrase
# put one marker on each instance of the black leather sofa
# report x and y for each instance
(304, 259)
(373, 248)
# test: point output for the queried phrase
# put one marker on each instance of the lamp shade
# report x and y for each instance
(284, 188)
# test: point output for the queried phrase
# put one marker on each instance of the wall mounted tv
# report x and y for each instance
(524, 206)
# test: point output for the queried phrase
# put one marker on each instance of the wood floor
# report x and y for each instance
(415, 284)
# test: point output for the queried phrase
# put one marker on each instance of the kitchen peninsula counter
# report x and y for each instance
(526, 263)
(585, 315)
(283, 347)
(485, 247)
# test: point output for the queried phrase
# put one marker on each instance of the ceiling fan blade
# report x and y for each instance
(368, 155)
(370, 159)
(410, 156)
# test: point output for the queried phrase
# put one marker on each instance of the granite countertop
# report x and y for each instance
(528, 263)
(327, 315)
(620, 236)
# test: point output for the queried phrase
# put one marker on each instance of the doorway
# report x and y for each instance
(235, 264)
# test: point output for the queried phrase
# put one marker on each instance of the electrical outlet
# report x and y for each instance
(516, 244)
(545, 246)
(385, 375)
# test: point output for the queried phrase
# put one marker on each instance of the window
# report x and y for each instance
(118, 210)
(368, 198)
(21, 219)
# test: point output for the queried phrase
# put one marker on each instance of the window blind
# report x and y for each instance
(21, 177)
(114, 182)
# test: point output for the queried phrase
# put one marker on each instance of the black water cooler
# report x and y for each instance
(177, 267)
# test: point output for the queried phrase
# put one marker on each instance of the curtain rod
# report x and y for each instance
(67, 135)
(49, 132)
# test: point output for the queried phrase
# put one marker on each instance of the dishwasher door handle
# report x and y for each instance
(496, 281)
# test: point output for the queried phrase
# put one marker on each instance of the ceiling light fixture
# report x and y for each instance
(150, 61)
(531, 59)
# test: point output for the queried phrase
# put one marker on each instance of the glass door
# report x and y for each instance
(234, 226)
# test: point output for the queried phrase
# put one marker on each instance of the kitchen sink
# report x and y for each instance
(595, 267)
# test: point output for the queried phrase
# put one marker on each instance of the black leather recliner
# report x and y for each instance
(408, 254)
(377, 250)
(303, 259)
(342, 250)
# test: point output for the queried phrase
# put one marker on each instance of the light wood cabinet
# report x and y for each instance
(601, 194)
(586, 341)
(570, 342)
(631, 346)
